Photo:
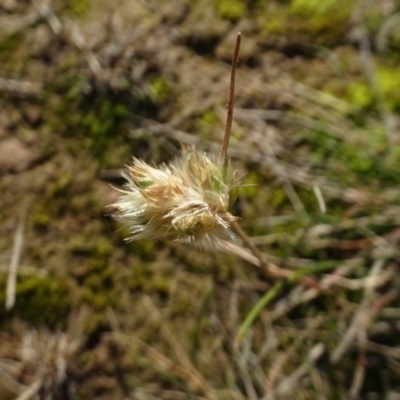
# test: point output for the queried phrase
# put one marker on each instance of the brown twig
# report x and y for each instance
(229, 117)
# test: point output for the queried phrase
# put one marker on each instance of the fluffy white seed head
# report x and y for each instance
(186, 200)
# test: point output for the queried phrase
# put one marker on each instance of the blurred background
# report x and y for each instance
(85, 85)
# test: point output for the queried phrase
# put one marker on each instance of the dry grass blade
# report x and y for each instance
(185, 370)
(20, 88)
(48, 14)
(361, 319)
(11, 26)
(200, 382)
(15, 258)
(358, 377)
(257, 258)
(75, 36)
(31, 391)
(288, 385)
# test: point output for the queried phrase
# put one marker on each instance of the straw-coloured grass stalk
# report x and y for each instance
(187, 199)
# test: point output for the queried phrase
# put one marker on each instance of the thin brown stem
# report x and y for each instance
(229, 117)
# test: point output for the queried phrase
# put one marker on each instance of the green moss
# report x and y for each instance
(388, 78)
(145, 249)
(97, 116)
(99, 300)
(60, 185)
(204, 125)
(358, 160)
(373, 18)
(94, 272)
(8, 46)
(140, 275)
(39, 301)
(95, 247)
(232, 10)
(159, 89)
(320, 23)
(102, 121)
(160, 285)
(41, 220)
(210, 118)
(181, 305)
(98, 120)
(94, 252)
(277, 198)
(316, 8)
(103, 247)
(80, 246)
(360, 94)
(251, 187)
(225, 273)
(78, 7)
(98, 283)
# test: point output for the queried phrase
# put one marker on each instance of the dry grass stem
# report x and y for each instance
(20, 88)
(31, 391)
(15, 259)
(184, 370)
(186, 200)
(75, 36)
(48, 14)
(229, 118)
(358, 377)
(361, 319)
(288, 385)
(179, 351)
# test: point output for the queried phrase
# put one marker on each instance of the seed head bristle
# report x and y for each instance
(185, 200)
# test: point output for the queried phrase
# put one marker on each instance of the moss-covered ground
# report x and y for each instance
(86, 85)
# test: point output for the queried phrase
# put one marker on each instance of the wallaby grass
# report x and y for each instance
(315, 128)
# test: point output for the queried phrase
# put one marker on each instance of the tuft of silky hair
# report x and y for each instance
(185, 200)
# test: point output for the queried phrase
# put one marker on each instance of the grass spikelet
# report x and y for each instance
(185, 200)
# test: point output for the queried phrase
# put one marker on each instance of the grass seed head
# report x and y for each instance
(186, 200)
